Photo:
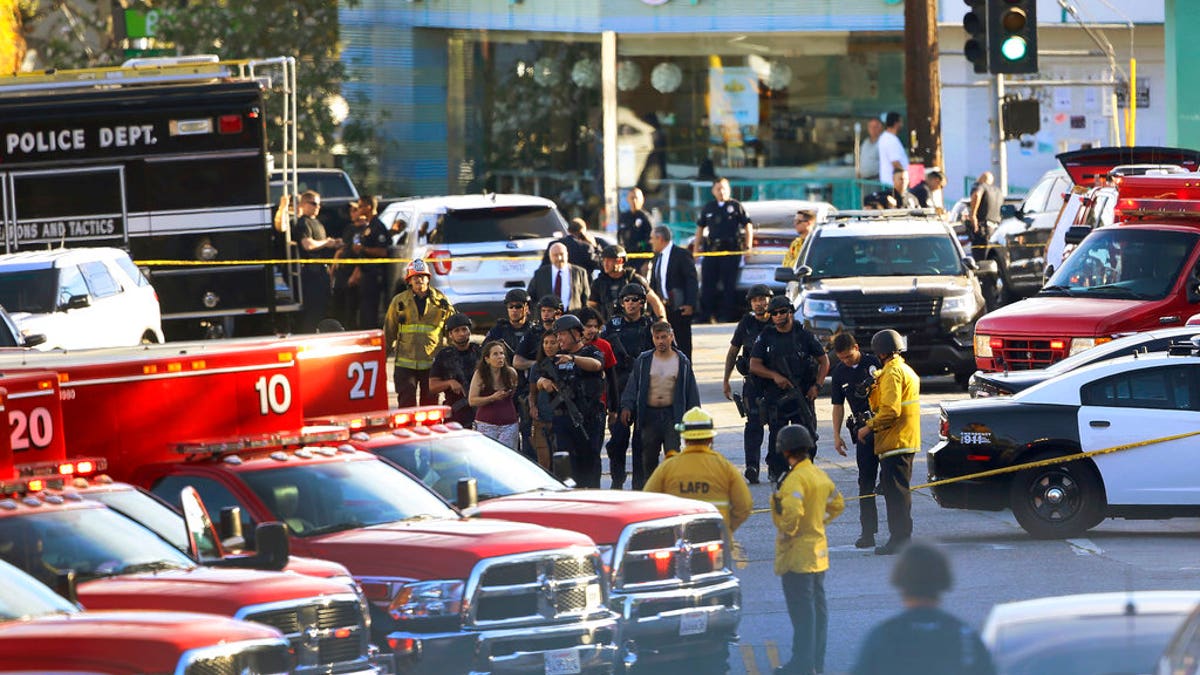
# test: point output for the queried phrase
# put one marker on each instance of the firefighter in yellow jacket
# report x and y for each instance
(896, 422)
(699, 472)
(804, 502)
(414, 328)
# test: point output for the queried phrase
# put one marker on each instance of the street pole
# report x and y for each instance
(1000, 151)
(922, 80)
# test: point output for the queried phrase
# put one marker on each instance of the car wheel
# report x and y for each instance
(963, 379)
(1059, 500)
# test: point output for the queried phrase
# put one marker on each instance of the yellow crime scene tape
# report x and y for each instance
(1030, 465)
(388, 261)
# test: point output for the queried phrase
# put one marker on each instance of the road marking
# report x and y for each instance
(1084, 547)
(748, 659)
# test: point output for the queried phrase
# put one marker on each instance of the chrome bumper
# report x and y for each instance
(509, 651)
(652, 622)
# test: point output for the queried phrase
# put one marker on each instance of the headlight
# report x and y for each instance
(817, 307)
(983, 346)
(428, 600)
(1084, 344)
(962, 304)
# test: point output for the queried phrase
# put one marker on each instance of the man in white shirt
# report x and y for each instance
(891, 150)
(868, 155)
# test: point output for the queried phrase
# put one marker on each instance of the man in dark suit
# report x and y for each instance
(561, 279)
(673, 277)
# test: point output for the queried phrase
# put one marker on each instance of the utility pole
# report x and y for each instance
(922, 80)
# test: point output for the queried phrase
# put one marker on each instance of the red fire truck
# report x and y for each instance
(1139, 274)
(106, 561)
(448, 594)
(168, 160)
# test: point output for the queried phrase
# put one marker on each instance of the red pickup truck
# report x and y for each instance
(1139, 274)
(447, 594)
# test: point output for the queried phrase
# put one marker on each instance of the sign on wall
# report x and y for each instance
(733, 105)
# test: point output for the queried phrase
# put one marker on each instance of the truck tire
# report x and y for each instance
(1057, 501)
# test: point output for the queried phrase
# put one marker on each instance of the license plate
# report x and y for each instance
(693, 623)
(592, 595)
(562, 662)
(512, 267)
(756, 276)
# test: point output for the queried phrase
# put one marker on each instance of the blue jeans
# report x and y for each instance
(805, 597)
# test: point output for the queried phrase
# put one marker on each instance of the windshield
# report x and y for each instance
(507, 223)
(497, 470)
(330, 185)
(21, 596)
(1095, 646)
(94, 542)
(884, 255)
(1124, 263)
(316, 499)
(148, 510)
(33, 291)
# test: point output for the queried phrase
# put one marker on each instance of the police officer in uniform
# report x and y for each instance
(629, 334)
(576, 382)
(923, 639)
(853, 377)
(605, 296)
(793, 365)
(700, 472)
(550, 307)
(453, 367)
(634, 226)
(738, 357)
(723, 226)
(511, 330)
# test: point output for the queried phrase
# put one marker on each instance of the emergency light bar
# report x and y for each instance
(390, 419)
(1172, 196)
(23, 486)
(80, 466)
(224, 446)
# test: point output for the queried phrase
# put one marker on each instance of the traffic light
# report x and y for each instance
(975, 23)
(1021, 117)
(1012, 36)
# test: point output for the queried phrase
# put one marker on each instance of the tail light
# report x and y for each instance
(944, 427)
(439, 259)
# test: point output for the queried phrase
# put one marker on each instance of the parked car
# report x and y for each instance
(80, 298)
(774, 231)
(1108, 404)
(1182, 656)
(865, 271)
(479, 246)
(1085, 634)
(985, 384)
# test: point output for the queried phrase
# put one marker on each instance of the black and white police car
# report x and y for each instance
(1133, 399)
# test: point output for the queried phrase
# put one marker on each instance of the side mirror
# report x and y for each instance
(230, 528)
(203, 543)
(785, 275)
(1009, 211)
(987, 268)
(466, 494)
(34, 340)
(272, 548)
(77, 302)
(970, 263)
(1077, 233)
(561, 463)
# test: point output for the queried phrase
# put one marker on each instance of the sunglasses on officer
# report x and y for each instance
(632, 298)
(780, 312)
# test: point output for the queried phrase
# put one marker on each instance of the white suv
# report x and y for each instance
(80, 298)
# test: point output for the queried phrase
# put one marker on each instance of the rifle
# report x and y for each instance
(561, 398)
(459, 374)
(769, 407)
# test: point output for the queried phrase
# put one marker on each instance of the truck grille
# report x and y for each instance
(1025, 354)
(236, 659)
(903, 313)
(535, 587)
(672, 552)
(312, 628)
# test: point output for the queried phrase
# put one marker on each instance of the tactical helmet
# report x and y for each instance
(759, 291)
(613, 251)
(795, 439)
(516, 295)
(633, 289)
(887, 342)
(458, 320)
(551, 301)
(780, 302)
(568, 322)
(696, 425)
(922, 571)
(415, 268)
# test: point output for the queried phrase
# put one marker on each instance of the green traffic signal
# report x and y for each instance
(1014, 48)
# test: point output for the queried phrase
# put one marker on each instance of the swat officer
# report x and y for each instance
(605, 296)
(629, 334)
(453, 367)
(575, 379)
(550, 307)
(793, 365)
(700, 472)
(511, 330)
(738, 356)
(723, 226)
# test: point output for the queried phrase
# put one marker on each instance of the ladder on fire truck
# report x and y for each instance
(275, 74)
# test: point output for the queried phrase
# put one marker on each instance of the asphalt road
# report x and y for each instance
(994, 560)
